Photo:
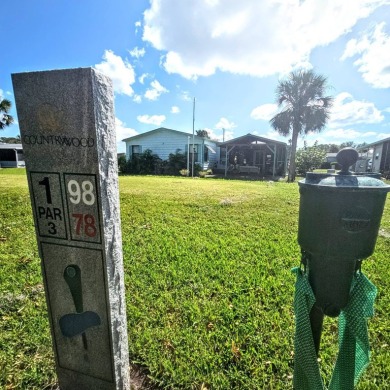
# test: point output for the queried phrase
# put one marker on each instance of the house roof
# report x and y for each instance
(251, 139)
(157, 131)
(11, 146)
(373, 144)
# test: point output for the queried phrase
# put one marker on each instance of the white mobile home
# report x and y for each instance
(11, 156)
(164, 141)
(377, 155)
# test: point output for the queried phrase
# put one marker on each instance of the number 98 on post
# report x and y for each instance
(82, 204)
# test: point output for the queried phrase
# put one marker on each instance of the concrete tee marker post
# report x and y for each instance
(67, 127)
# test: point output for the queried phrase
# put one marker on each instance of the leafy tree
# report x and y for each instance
(329, 148)
(5, 118)
(349, 144)
(309, 158)
(202, 133)
(304, 108)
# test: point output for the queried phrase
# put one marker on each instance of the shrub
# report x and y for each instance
(121, 163)
(176, 162)
(145, 163)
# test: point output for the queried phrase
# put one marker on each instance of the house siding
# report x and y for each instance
(164, 142)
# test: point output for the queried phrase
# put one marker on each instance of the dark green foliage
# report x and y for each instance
(145, 163)
(11, 140)
(148, 163)
(202, 133)
(176, 162)
(121, 163)
(5, 118)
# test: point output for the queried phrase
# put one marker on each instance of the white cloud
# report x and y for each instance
(142, 78)
(348, 134)
(346, 111)
(137, 25)
(253, 37)
(151, 119)
(185, 95)
(383, 135)
(137, 98)
(219, 136)
(272, 134)
(137, 53)
(214, 136)
(119, 70)
(265, 111)
(175, 110)
(2, 96)
(156, 90)
(225, 124)
(373, 51)
(122, 132)
(387, 109)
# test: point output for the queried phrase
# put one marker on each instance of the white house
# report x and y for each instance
(11, 155)
(164, 141)
(377, 156)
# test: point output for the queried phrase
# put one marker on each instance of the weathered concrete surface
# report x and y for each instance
(67, 128)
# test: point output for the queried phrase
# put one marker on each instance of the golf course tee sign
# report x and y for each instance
(67, 126)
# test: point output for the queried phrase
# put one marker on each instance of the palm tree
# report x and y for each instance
(5, 118)
(304, 108)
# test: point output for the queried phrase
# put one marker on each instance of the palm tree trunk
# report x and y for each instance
(294, 140)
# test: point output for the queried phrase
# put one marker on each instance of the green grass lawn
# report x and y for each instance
(209, 289)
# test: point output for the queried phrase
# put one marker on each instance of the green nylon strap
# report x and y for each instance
(354, 349)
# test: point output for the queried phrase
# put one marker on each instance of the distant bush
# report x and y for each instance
(148, 163)
(145, 163)
(121, 163)
(175, 163)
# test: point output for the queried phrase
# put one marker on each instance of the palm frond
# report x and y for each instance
(5, 105)
(282, 122)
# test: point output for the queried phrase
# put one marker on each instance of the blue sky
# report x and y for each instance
(228, 54)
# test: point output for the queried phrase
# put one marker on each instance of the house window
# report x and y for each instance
(206, 154)
(136, 150)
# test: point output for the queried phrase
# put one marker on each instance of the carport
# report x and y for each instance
(254, 155)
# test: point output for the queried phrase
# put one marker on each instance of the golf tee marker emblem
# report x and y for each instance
(73, 324)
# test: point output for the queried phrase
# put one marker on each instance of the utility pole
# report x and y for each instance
(188, 156)
(193, 138)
